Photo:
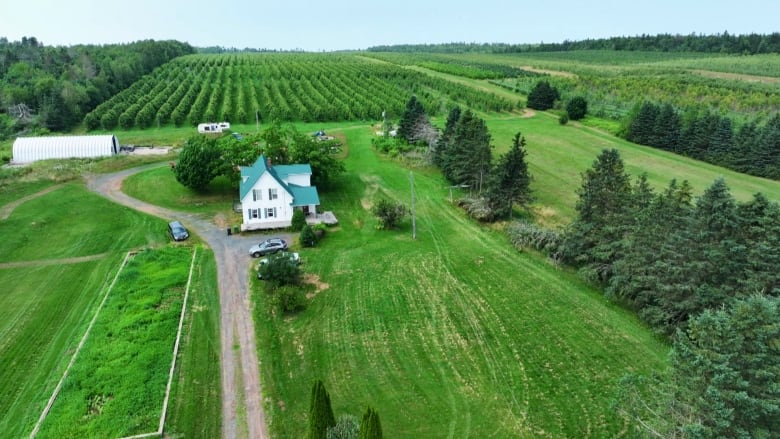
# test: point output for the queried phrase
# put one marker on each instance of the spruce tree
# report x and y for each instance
(726, 367)
(510, 180)
(469, 156)
(320, 412)
(370, 427)
(446, 138)
(641, 129)
(593, 240)
(411, 117)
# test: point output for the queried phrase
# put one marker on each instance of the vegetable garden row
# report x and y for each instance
(289, 87)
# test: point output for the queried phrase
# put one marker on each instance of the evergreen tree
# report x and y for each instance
(602, 215)
(469, 155)
(768, 148)
(577, 108)
(759, 226)
(510, 180)
(446, 138)
(542, 96)
(726, 366)
(320, 412)
(641, 129)
(412, 115)
(667, 129)
(370, 427)
(721, 142)
(744, 155)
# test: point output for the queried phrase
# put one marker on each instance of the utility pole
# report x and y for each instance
(414, 223)
(257, 121)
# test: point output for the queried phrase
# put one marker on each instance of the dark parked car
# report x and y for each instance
(177, 231)
(270, 245)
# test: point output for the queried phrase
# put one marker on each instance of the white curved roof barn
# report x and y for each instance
(31, 149)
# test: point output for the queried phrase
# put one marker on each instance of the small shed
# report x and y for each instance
(32, 149)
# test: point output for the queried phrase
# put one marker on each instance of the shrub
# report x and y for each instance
(524, 235)
(319, 230)
(347, 427)
(308, 238)
(478, 208)
(291, 298)
(298, 220)
(577, 108)
(388, 212)
(564, 119)
(280, 270)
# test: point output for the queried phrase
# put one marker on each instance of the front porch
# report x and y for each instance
(327, 218)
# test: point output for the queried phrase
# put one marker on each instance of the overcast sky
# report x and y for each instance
(343, 24)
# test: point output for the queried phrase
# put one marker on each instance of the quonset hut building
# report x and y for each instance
(32, 149)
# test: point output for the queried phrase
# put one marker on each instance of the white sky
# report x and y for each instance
(345, 24)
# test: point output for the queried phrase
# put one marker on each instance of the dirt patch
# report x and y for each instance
(372, 186)
(527, 113)
(550, 72)
(221, 221)
(737, 76)
(43, 262)
(151, 150)
(313, 279)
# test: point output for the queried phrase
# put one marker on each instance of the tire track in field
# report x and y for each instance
(8, 209)
(45, 262)
(475, 313)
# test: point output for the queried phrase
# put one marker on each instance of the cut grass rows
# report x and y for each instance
(453, 334)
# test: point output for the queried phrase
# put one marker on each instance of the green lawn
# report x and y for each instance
(159, 186)
(450, 335)
(557, 155)
(49, 299)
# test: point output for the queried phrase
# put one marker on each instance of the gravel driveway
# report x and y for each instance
(241, 389)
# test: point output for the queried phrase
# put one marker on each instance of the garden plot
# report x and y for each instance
(117, 384)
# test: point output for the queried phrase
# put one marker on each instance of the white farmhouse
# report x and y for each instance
(269, 194)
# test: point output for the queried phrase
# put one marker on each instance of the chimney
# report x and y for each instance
(268, 162)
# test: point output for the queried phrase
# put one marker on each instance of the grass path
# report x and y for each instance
(6, 210)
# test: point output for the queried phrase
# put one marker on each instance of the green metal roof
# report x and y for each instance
(302, 195)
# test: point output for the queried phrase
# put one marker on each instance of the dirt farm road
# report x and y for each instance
(242, 404)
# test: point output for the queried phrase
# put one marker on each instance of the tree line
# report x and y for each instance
(747, 44)
(752, 148)
(53, 87)
(705, 272)
(463, 152)
(204, 158)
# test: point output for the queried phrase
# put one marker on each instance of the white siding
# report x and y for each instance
(299, 179)
(282, 204)
(31, 149)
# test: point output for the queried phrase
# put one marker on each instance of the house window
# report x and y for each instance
(254, 213)
(257, 194)
(272, 194)
(270, 212)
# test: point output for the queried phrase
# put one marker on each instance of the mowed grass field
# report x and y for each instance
(454, 334)
(58, 251)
